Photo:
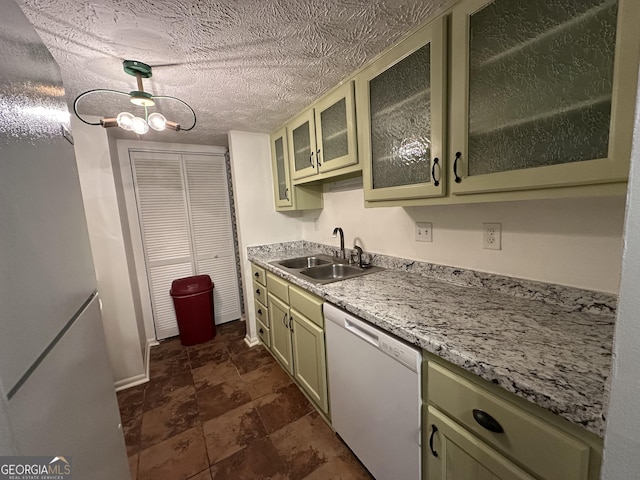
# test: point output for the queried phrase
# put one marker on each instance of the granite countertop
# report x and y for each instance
(548, 344)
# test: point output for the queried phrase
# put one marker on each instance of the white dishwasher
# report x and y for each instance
(374, 391)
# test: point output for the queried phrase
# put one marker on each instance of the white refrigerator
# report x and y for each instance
(56, 388)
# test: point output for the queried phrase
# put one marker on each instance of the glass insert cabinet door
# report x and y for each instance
(400, 110)
(335, 119)
(302, 145)
(280, 159)
(535, 95)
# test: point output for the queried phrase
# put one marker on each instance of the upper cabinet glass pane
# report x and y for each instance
(540, 83)
(282, 181)
(334, 131)
(400, 101)
(302, 147)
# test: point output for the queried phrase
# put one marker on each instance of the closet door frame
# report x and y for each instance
(133, 222)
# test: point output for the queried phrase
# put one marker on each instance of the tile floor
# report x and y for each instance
(221, 410)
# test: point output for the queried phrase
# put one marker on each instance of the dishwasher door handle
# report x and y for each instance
(362, 332)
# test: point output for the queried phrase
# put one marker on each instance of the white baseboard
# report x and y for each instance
(252, 342)
(141, 378)
(131, 382)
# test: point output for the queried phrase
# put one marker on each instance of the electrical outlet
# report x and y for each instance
(424, 232)
(492, 236)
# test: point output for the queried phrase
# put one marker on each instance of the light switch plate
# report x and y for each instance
(424, 232)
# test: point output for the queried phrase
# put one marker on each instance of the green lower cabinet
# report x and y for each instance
(297, 337)
(309, 359)
(454, 454)
(473, 429)
(280, 333)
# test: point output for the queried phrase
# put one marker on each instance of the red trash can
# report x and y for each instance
(193, 301)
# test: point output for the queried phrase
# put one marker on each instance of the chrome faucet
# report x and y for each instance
(357, 253)
(337, 231)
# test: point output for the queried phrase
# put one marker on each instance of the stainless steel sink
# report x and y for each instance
(303, 262)
(320, 268)
(335, 271)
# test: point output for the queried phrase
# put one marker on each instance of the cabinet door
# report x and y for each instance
(460, 455)
(302, 145)
(309, 358)
(536, 99)
(280, 166)
(400, 112)
(335, 118)
(280, 333)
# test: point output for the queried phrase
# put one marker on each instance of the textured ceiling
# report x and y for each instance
(243, 65)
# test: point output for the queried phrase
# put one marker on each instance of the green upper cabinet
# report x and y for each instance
(541, 93)
(400, 102)
(302, 145)
(287, 196)
(322, 139)
(335, 117)
(280, 164)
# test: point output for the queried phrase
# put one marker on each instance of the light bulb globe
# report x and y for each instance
(125, 120)
(139, 126)
(157, 121)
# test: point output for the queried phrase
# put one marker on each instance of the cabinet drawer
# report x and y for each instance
(258, 274)
(307, 304)
(264, 334)
(262, 313)
(260, 292)
(539, 447)
(278, 287)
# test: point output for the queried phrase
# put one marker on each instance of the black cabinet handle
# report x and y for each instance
(318, 157)
(256, 274)
(436, 182)
(487, 421)
(261, 331)
(259, 311)
(434, 429)
(286, 193)
(258, 291)
(311, 159)
(290, 323)
(455, 167)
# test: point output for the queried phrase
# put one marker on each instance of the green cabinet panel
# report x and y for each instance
(309, 358)
(288, 197)
(280, 167)
(460, 455)
(400, 102)
(533, 442)
(322, 139)
(302, 145)
(297, 337)
(540, 93)
(335, 121)
(280, 333)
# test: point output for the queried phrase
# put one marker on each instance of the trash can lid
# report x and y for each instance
(191, 285)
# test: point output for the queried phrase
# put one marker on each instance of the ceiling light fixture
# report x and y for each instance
(128, 121)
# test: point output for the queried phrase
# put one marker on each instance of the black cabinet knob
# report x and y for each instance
(261, 331)
(256, 274)
(258, 291)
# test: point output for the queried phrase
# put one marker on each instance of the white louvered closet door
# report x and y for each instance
(210, 215)
(185, 219)
(164, 223)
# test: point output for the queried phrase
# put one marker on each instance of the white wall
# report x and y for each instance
(109, 256)
(622, 439)
(574, 242)
(258, 222)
